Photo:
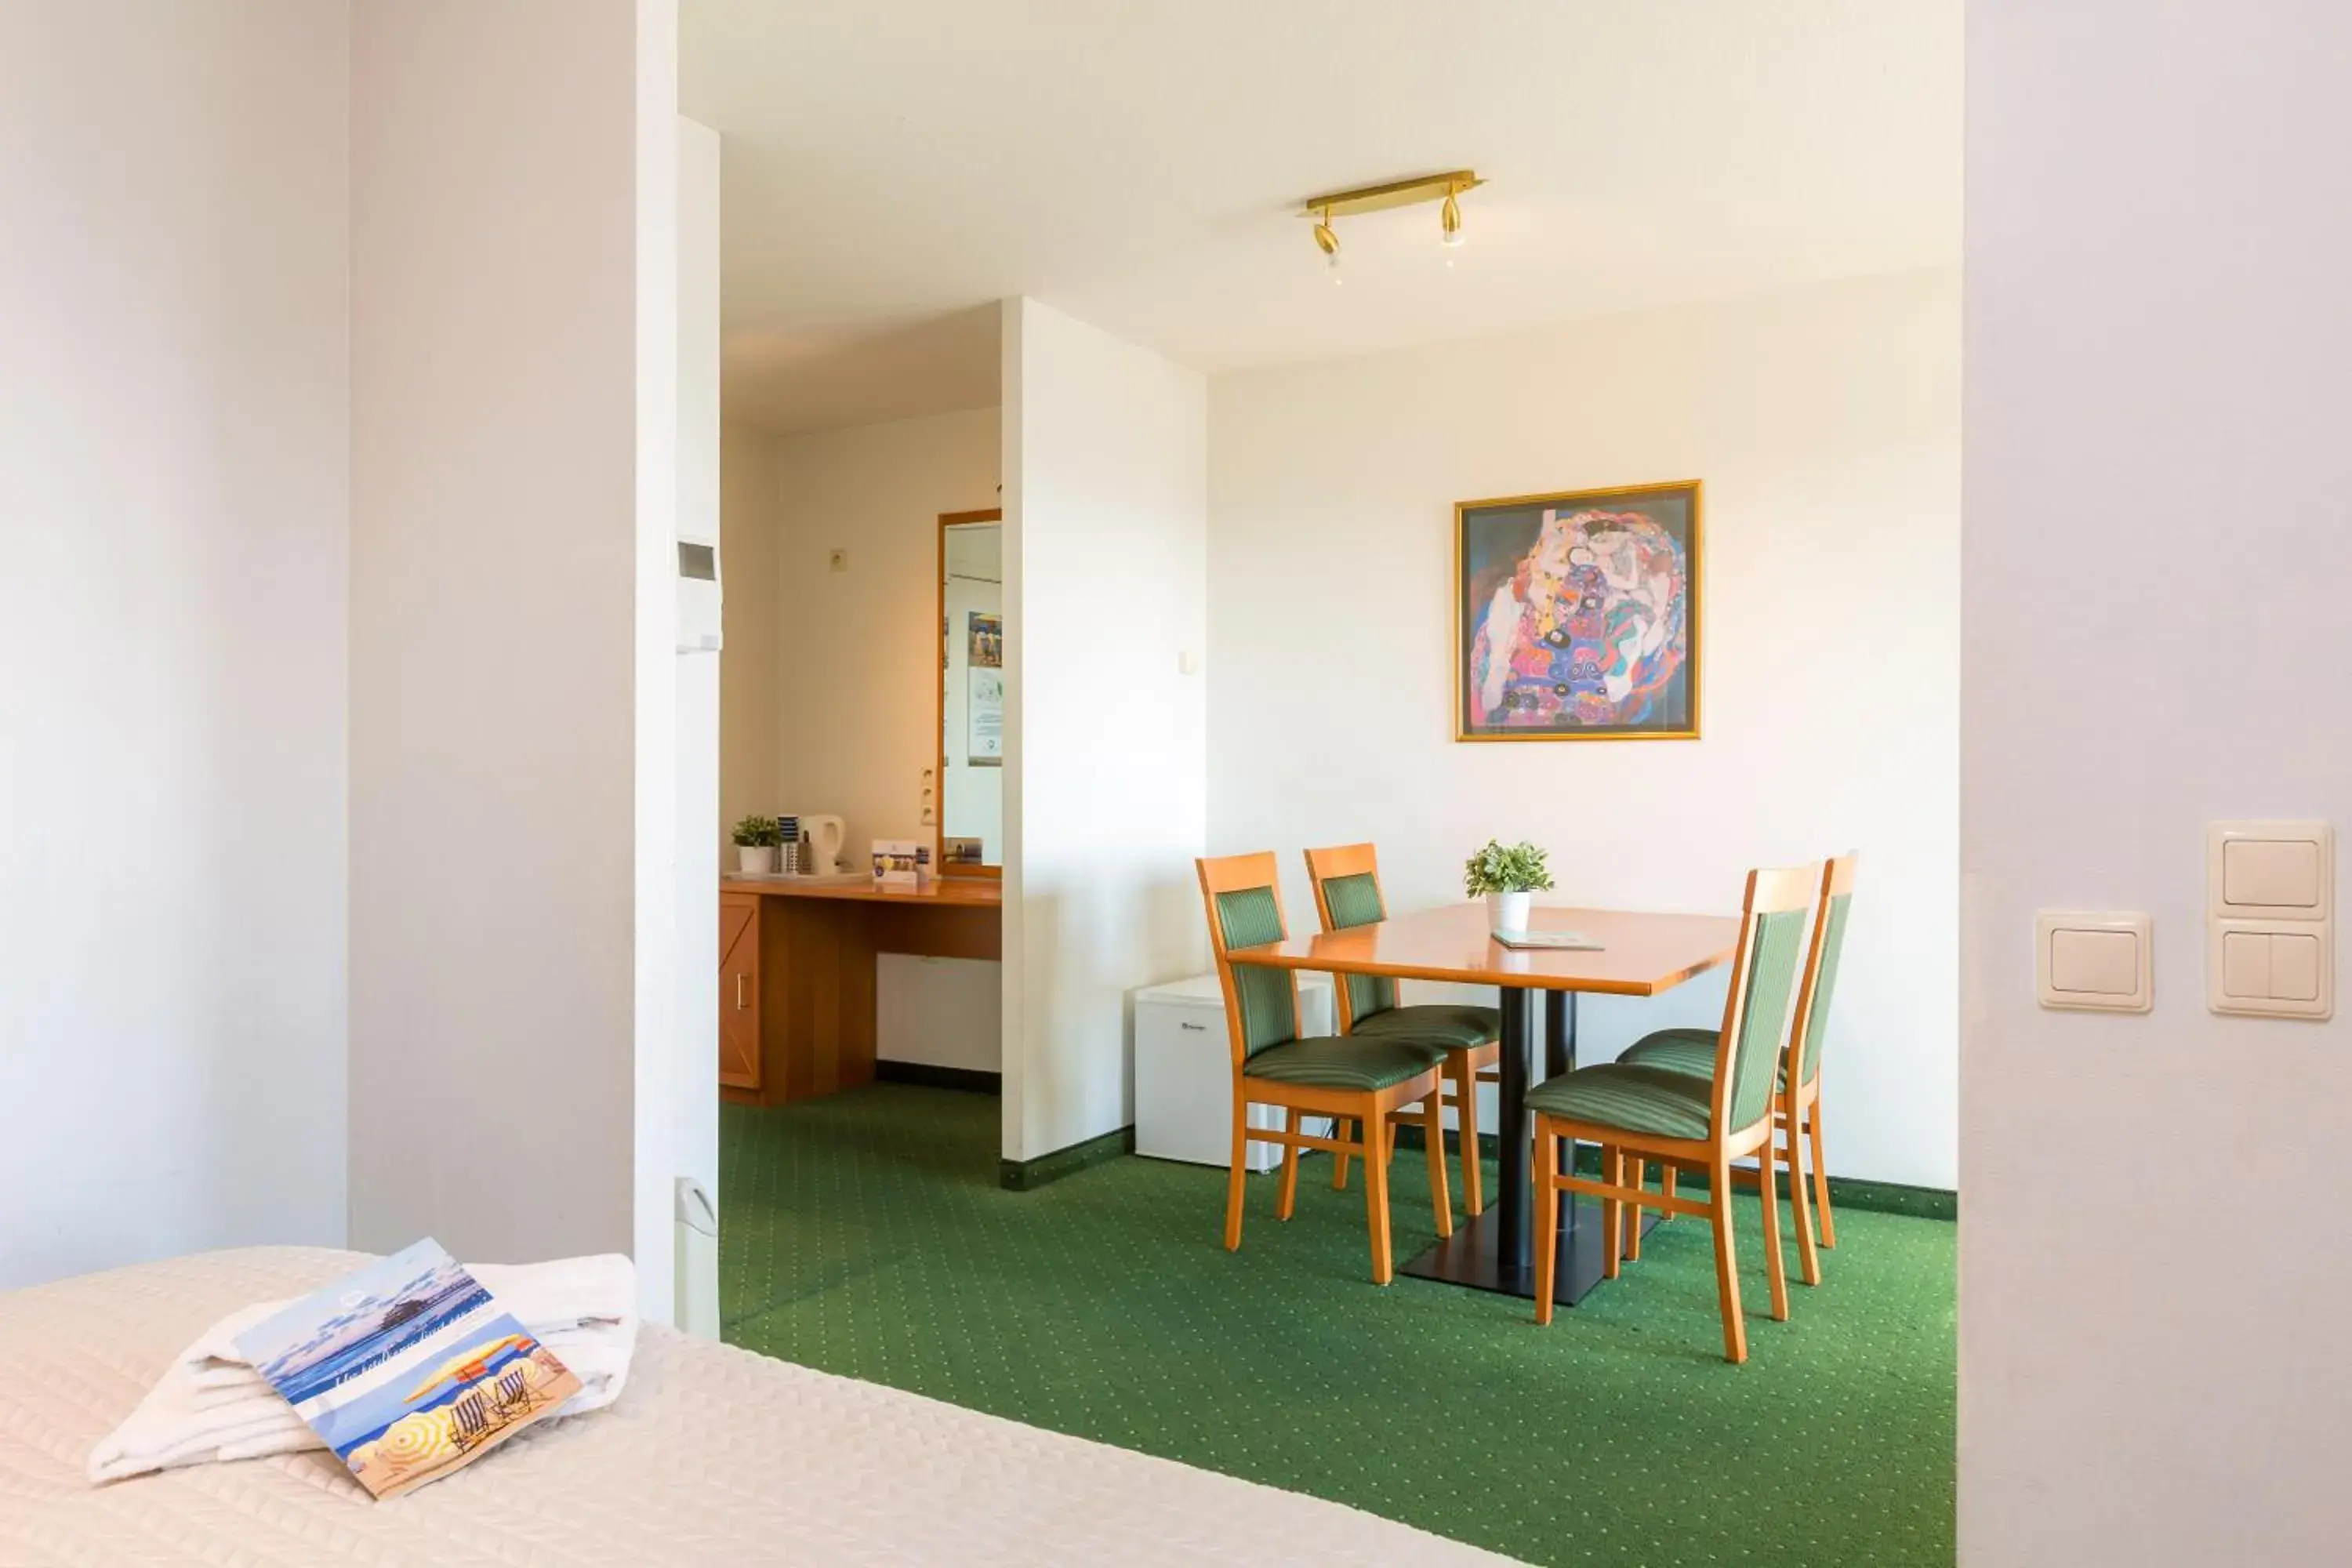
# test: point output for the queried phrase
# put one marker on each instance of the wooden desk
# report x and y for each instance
(797, 973)
(1640, 955)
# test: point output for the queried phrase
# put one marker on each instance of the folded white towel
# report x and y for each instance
(212, 1404)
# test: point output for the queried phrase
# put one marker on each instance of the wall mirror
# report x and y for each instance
(970, 732)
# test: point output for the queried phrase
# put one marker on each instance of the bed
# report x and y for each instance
(713, 1456)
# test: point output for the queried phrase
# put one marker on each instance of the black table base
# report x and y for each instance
(1473, 1255)
(1493, 1252)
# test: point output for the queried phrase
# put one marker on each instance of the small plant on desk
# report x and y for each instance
(757, 840)
(1508, 877)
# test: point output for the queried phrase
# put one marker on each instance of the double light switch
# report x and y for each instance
(2270, 917)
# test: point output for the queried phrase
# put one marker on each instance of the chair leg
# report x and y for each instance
(1768, 1182)
(1465, 1120)
(1239, 1177)
(1343, 1128)
(1666, 1185)
(1547, 1236)
(1727, 1264)
(1612, 1241)
(1287, 1201)
(1822, 1180)
(1638, 1173)
(1432, 1133)
(1807, 1258)
(1377, 1137)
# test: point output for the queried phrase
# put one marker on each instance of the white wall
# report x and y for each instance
(175, 430)
(938, 1012)
(506, 488)
(1104, 554)
(2152, 1266)
(856, 652)
(1825, 426)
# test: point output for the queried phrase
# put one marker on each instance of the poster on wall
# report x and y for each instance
(1577, 616)
(984, 704)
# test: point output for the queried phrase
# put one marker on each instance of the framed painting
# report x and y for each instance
(1576, 615)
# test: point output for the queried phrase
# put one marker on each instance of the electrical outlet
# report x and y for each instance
(838, 560)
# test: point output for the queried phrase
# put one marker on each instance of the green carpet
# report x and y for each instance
(865, 1234)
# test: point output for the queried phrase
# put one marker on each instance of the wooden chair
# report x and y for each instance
(1797, 1107)
(1347, 882)
(1365, 1078)
(1643, 1113)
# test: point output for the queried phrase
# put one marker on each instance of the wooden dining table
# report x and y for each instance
(1635, 954)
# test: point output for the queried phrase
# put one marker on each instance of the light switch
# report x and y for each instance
(2095, 961)
(2270, 873)
(2099, 963)
(2269, 870)
(2294, 967)
(2245, 964)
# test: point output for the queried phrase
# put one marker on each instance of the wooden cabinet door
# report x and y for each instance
(738, 989)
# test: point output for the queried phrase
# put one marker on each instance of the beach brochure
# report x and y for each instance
(407, 1369)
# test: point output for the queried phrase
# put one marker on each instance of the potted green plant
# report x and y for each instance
(1508, 877)
(757, 840)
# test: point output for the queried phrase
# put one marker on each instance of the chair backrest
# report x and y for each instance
(1820, 981)
(1243, 896)
(1763, 983)
(1347, 883)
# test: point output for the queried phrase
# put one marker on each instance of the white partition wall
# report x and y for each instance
(2153, 1271)
(694, 1078)
(513, 420)
(1105, 557)
(175, 444)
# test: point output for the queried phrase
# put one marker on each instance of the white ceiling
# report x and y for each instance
(891, 166)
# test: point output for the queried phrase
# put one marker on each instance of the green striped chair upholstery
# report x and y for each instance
(1348, 894)
(1692, 1052)
(1642, 1111)
(1355, 901)
(1365, 1081)
(1269, 1002)
(1663, 1103)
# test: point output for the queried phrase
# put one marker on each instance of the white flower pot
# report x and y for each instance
(1508, 911)
(755, 858)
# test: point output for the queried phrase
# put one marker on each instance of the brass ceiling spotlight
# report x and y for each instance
(1327, 243)
(1442, 188)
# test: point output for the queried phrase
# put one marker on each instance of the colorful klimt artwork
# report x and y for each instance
(1578, 616)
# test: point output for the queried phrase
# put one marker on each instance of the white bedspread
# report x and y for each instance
(713, 1456)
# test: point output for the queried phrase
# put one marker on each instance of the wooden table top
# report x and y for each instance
(1639, 954)
(980, 892)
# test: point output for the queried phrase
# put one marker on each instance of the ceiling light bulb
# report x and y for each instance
(1449, 222)
(1325, 240)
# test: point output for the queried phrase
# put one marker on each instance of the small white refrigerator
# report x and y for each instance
(1184, 1071)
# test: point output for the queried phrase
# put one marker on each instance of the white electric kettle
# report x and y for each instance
(820, 839)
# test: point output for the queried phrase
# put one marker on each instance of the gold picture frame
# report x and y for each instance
(1622, 664)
